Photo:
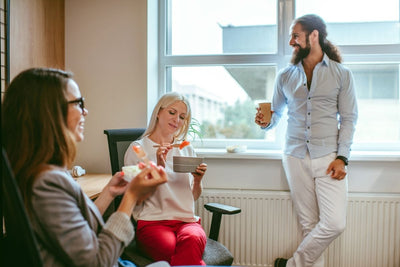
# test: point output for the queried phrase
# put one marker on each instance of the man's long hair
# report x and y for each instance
(313, 22)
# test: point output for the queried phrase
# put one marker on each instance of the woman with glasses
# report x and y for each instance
(43, 116)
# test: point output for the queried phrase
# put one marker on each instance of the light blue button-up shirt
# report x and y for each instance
(321, 120)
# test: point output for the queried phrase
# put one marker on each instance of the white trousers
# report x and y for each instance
(320, 202)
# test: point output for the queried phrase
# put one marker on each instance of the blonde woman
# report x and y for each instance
(167, 228)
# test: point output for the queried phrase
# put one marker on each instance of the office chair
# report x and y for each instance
(18, 243)
(215, 253)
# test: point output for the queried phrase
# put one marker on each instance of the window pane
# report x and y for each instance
(378, 103)
(356, 22)
(379, 81)
(223, 99)
(222, 27)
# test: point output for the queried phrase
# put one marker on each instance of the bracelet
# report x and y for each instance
(344, 159)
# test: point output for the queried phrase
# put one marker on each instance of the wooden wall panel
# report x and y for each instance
(3, 42)
(36, 34)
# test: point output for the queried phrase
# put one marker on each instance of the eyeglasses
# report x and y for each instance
(80, 101)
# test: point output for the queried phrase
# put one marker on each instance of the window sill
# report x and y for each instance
(214, 153)
(375, 156)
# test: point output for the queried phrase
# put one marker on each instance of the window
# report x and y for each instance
(356, 22)
(224, 56)
(220, 27)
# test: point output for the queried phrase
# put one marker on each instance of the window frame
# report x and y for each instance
(352, 54)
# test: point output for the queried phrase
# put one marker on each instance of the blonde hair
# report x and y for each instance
(165, 101)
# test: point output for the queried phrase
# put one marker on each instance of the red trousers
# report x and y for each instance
(177, 242)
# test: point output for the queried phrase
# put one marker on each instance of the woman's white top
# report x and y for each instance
(172, 200)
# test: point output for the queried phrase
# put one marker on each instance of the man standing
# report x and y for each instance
(319, 94)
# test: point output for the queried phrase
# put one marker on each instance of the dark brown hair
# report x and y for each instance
(313, 22)
(35, 134)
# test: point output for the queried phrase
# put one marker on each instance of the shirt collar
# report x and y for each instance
(324, 61)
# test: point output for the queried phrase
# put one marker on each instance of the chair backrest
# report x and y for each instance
(19, 245)
(118, 142)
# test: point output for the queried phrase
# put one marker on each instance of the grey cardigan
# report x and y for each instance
(69, 226)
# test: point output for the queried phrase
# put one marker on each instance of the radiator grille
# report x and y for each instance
(267, 228)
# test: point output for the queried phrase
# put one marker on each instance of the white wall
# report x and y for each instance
(263, 173)
(106, 48)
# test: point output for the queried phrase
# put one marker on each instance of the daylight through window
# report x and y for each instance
(225, 61)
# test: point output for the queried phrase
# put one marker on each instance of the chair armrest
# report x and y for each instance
(221, 208)
(217, 211)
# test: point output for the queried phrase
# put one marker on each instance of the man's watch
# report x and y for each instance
(344, 159)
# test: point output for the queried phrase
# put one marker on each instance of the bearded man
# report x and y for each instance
(319, 94)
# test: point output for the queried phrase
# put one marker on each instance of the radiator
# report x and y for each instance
(267, 228)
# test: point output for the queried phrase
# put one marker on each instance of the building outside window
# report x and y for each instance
(224, 56)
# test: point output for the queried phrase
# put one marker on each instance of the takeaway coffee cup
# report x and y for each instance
(265, 109)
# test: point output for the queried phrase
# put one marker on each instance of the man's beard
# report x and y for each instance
(301, 53)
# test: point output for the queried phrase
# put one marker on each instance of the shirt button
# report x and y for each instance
(308, 127)
(309, 98)
(308, 141)
(308, 113)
